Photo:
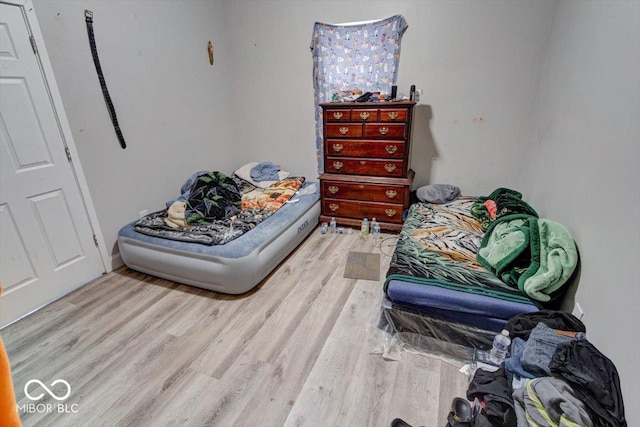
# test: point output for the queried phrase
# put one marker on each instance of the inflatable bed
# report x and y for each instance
(207, 260)
(456, 262)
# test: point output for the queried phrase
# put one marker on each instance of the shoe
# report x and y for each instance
(461, 414)
(399, 423)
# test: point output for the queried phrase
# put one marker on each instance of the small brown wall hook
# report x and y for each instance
(210, 49)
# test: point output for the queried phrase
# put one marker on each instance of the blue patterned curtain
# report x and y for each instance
(359, 56)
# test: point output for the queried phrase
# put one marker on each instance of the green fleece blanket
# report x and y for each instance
(538, 256)
(507, 202)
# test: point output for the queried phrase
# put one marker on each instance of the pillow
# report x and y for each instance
(245, 173)
(438, 193)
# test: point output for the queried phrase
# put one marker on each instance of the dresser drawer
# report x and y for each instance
(343, 130)
(398, 115)
(374, 167)
(361, 115)
(364, 148)
(366, 192)
(386, 212)
(337, 115)
(384, 130)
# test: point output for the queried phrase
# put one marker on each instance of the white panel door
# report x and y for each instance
(47, 244)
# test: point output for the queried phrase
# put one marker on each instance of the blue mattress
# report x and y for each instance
(434, 269)
(477, 310)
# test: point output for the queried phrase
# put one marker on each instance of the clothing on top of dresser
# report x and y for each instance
(265, 171)
(244, 172)
(438, 193)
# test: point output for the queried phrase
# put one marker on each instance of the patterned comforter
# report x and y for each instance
(257, 204)
(438, 245)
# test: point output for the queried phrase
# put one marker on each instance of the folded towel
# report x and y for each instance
(176, 215)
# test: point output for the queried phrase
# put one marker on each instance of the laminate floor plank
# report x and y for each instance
(326, 388)
(294, 358)
(453, 384)
(242, 328)
(81, 330)
(143, 351)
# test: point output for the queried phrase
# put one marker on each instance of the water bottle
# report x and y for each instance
(500, 346)
(364, 227)
(375, 230)
(332, 226)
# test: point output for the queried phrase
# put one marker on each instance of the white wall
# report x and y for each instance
(573, 153)
(583, 169)
(173, 107)
(477, 62)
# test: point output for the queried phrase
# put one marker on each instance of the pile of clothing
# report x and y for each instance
(214, 209)
(535, 255)
(553, 376)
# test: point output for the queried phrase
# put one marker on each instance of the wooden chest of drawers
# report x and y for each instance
(366, 162)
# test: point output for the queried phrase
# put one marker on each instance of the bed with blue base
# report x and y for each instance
(234, 267)
(435, 289)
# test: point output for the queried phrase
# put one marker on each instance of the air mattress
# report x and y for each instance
(233, 268)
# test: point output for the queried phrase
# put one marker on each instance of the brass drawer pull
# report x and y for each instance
(364, 115)
(391, 194)
(344, 130)
(361, 186)
(337, 148)
(333, 189)
(389, 167)
(383, 130)
(335, 207)
(337, 115)
(339, 165)
(393, 115)
(390, 212)
(391, 149)
(363, 162)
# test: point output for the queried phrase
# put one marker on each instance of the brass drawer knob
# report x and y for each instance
(393, 115)
(390, 212)
(337, 147)
(334, 207)
(389, 167)
(337, 165)
(391, 149)
(333, 189)
(344, 130)
(383, 130)
(337, 115)
(391, 194)
(364, 115)
(363, 162)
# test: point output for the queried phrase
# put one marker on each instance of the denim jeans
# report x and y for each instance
(512, 363)
(539, 349)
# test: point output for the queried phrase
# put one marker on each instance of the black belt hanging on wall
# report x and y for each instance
(88, 17)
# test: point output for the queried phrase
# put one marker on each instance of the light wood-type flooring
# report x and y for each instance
(141, 351)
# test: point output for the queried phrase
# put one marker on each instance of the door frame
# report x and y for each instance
(33, 27)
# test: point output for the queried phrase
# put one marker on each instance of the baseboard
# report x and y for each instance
(116, 261)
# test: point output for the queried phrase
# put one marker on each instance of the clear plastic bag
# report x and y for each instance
(398, 328)
(307, 189)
